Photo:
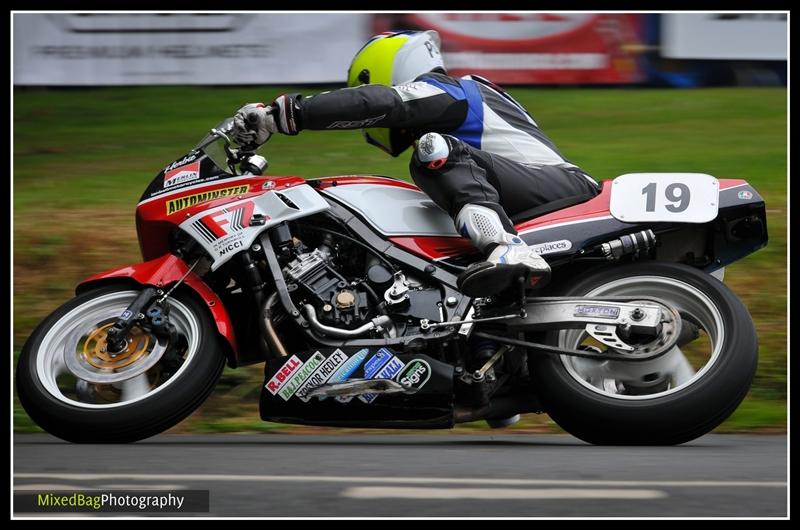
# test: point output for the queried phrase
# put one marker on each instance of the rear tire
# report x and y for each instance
(149, 412)
(667, 415)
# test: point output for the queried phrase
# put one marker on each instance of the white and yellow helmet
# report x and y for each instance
(394, 58)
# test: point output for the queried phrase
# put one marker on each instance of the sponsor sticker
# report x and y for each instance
(415, 374)
(321, 374)
(551, 247)
(376, 362)
(346, 370)
(182, 174)
(600, 311)
(745, 195)
(387, 372)
(284, 374)
(301, 374)
(181, 203)
(350, 366)
(191, 157)
(224, 230)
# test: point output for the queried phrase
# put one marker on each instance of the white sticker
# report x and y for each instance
(665, 197)
(283, 374)
(325, 370)
(552, 247)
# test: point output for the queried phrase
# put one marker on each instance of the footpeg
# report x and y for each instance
(484, 279)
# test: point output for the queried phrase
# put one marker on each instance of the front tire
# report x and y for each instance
(670, 400)
(163, 393)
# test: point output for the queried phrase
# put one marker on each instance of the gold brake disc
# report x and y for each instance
(95, 349)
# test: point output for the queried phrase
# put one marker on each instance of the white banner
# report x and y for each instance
(181, 48)
(756, 36)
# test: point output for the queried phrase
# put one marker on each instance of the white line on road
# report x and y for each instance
(383, 492)
(46, 487)
(74, 487)
(402, 480)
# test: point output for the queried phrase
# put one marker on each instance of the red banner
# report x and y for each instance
(533, 48)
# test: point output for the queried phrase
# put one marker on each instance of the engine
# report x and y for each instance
(337, 301)
(349, 287)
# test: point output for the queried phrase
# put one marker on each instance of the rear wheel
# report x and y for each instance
(74, 389)
(672, 399)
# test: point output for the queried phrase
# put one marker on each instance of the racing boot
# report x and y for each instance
(509, 258)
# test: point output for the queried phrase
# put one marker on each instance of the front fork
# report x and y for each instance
(167, 270)
(117, 336)
(151, 313)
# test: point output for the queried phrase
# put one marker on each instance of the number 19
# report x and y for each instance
(676, 193)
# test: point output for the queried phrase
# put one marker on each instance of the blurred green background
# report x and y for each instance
(82, 158)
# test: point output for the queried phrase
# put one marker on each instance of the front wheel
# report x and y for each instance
(74, 389)
(672, 399)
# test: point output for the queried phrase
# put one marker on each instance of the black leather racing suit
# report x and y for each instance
(499, 158)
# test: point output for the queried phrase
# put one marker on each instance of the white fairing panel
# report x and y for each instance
(395, 211)
(225, 230)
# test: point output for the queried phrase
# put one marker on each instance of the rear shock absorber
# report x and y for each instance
(635, 243)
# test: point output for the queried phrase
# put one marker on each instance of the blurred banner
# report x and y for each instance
(756, 36)
(540, 48)
(170, 49)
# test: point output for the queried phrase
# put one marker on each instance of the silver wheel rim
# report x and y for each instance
(673, 371)
(51, 366)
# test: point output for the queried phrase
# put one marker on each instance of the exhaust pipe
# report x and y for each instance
(268, 329)
(381, 321)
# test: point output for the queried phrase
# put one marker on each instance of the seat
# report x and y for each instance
(560, 204)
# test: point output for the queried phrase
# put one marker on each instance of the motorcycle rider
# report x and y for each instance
(478, 154)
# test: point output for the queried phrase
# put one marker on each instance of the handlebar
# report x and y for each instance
(232, 156)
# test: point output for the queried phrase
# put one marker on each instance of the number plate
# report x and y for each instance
(664, 197)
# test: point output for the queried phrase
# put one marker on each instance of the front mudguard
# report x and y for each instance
(161, 273)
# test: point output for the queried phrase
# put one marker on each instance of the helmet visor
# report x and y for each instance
(379, 138)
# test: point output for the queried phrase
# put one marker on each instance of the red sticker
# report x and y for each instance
(182, 174)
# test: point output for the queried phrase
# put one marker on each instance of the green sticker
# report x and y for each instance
(297, 380)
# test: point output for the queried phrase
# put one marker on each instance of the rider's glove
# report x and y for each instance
(253, 124)
(287, 113)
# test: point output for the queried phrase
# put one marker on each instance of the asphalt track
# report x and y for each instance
(456, 475)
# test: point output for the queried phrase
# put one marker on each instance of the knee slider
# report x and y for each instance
(483, 227)
(432, 150)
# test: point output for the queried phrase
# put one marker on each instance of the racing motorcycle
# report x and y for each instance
(346, 288)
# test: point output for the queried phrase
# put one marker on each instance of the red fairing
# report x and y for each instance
(157, 217)
(434, 247)
(730, 183)
(163, 271)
